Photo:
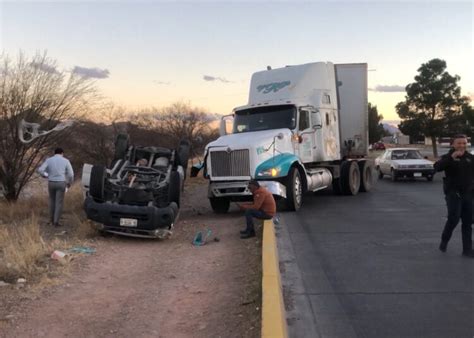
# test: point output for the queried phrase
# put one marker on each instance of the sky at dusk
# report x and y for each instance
(155, 53)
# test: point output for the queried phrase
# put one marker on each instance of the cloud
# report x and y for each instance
(44, 67)
(215, 78)
(91, 73)
(163, 83)
(388, 89)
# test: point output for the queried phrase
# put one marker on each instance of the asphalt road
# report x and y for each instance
(369, 266)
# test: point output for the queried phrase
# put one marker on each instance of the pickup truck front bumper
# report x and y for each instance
(143, 221)
(240, 189)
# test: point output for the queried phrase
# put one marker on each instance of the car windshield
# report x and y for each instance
(406, 155)
(265, 118)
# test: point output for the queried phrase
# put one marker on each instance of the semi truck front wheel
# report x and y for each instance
(294, 190)
(220, 205)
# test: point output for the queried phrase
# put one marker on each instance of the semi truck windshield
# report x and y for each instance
(265, 118)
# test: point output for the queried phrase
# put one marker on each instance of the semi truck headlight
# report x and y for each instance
(272, 172)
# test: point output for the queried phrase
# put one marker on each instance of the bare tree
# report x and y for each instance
(34, 89)
(180, 121)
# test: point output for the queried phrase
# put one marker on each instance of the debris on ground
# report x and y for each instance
(200, 240)
(60, 256)
(21, 280)
(82, 249)
(2, 283)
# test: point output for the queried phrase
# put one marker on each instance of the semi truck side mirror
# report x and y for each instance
(316, 119)
(226, 124)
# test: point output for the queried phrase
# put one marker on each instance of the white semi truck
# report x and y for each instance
(304, 129)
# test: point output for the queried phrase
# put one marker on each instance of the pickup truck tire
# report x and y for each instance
(366, 176)
(183, 151)
(121, 146)
(174, 188)
(220, 205)
(97, 183)
(350, 178)
(294, 190)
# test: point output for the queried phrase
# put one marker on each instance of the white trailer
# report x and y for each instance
(304, 128)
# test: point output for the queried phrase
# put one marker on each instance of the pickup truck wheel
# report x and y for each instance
(366, 176)
(121, 146)
(97, 182)
(174, 192)
(183, 153)
(220, 205)
(294, 190)
(350, 178)
(393, 175)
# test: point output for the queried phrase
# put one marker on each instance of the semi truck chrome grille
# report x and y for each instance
(233, 163)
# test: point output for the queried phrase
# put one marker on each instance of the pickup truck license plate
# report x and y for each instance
(128, 222)
(417, 174)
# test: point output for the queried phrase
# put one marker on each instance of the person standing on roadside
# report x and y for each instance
(58, 170)
(263, 207)
(458, 166)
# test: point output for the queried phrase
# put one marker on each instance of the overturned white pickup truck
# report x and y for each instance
(140, 195)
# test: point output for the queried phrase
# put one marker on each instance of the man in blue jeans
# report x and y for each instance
(263, 207)
(60, 176)
(458, 166)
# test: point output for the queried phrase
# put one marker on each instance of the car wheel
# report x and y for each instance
(366, 176)
(174, 192)
(220, 205)
(294, 190)
(97, 183)
(429, 178)
(350, 178)
(393, 175)
(380, 172)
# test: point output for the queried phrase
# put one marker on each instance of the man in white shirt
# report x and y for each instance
(60, 175)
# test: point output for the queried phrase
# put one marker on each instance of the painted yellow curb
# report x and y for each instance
(273, 309)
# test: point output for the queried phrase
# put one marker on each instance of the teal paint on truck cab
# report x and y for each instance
(281, 163)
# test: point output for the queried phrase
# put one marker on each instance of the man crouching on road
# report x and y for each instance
(263, 207)
(458, 166)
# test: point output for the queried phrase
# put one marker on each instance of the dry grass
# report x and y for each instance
(22, 249)
(25, 241)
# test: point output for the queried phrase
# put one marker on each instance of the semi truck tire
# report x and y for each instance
(350, 178)
(294, 190)
(336, 186)
(220, 205)
(366, 176)
(174, 190)
(97, 183)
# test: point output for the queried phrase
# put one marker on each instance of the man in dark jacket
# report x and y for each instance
(458, 166)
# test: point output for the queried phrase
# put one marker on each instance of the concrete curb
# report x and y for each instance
(273, 308)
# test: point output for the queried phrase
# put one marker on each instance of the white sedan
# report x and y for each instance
(404, 162)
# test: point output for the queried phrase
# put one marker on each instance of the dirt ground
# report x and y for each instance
(147, 288)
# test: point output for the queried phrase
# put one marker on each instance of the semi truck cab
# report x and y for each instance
(304, 128)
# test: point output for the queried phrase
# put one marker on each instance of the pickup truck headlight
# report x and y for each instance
(270, 172)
